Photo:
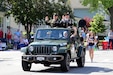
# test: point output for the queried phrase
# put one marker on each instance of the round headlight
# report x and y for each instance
(54, 48)
(31, 48)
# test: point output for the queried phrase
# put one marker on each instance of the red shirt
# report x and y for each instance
(9, 35)
(1, 34)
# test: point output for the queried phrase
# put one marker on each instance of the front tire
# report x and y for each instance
(81, 60)
(26, 66)
(65, 65)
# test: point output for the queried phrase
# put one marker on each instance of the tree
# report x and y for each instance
(106, 4)
(2, 8)
(28, 12)
(97, 25)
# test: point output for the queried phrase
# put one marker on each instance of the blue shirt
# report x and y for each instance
(18, 33)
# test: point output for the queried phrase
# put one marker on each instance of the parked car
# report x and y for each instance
(3, 45)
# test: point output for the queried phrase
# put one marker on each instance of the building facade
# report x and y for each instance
(81, 11)
(9, 21)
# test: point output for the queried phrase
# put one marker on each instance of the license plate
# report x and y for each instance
(40, 58)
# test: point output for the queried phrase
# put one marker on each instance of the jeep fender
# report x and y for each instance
(63, 50)
(23, 49)
(80, 49)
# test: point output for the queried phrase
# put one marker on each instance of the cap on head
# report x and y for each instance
(55, 14)
(67, 13)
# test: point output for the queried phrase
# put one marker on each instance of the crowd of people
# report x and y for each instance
(14, 40)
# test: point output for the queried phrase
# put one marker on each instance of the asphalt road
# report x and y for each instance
(10, 64)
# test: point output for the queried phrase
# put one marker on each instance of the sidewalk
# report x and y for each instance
(10, 50)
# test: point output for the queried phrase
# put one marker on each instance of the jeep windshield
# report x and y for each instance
(54, 34)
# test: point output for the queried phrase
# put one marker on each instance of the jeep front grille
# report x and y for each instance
(42, 50)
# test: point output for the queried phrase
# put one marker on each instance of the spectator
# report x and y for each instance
(9, 36)
(83, 34)
(1, 34)
(26, 42)
(18, 33)
(23, 42)
(110, 35)
(16, 40)
(91, 44)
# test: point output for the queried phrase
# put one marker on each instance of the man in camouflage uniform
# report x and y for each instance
(66, 21)
(55, 21)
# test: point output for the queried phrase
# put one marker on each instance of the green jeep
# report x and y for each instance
(53, 46)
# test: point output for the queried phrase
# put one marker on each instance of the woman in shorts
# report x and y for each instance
(91, 45)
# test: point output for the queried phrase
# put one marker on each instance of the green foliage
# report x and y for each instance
(34, 10)
(97, 25)
(94, 4)
(2, 8)
(29, 12)
(106, 5)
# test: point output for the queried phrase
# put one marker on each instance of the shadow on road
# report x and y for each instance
(76, 70)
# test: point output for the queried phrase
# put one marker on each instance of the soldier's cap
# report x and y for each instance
(55, 14)
(66, 13)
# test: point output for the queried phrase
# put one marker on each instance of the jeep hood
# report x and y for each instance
(49, 42)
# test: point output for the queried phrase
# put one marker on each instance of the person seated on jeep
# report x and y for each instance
(73, 36)
(66, 21)
(54, 22)
(74, 31)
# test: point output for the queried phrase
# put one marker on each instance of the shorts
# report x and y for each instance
(91, 47)
(16, 43)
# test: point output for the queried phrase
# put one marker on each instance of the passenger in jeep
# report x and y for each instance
(66, 21)
(73, 37)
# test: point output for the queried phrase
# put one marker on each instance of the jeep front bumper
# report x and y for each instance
(42, 58)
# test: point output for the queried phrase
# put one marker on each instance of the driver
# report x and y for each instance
(65, 34)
